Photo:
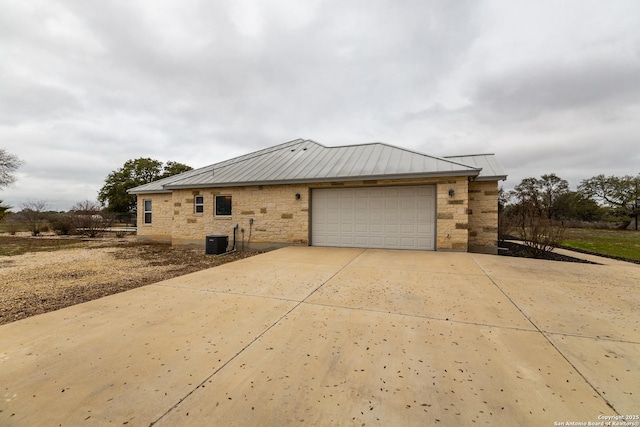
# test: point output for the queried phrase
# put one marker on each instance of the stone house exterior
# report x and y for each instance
(304, 193)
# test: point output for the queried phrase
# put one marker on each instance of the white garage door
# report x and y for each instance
(374, 217)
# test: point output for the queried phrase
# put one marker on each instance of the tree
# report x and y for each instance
(33, 214)
(174, 168)
(620, 193)
(532, 212)
(4, 211)
(551, 188)
(542, 194)
(89, 219)
(132, 174)
(574, 205)
(9, 163)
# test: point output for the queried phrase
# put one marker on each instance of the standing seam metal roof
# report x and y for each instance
(308, 161)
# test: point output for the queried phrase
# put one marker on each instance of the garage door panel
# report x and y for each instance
(409, 228)
(391, 229)
(401, 217)
(408, 216)
(361, 228)
(346, 227)
(361, 216)
(361, 205)
(375, 241)
(376, 228)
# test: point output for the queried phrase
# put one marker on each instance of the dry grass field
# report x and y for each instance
(42, 274)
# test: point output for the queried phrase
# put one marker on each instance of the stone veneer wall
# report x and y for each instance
(280, 219)
(452, 214)
(160, 228)
(483, 216)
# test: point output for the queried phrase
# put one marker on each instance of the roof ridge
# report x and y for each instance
(403, 149)
(470, 155)
(259, 153)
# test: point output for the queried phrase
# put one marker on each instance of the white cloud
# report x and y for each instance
(85, 86)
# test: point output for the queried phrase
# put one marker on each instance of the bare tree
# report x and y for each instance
(505, 215)
(539, 232)
(9, 163)
(531, 214)
(33, 214)
(90, 219)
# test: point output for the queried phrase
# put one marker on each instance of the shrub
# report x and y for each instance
(63, 224)
(539, 232)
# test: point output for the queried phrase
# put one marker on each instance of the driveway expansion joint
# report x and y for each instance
(250, 343)
(549, 341)
(417, 316)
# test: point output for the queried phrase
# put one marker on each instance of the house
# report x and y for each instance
(304, 193)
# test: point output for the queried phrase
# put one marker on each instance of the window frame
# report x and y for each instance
(146, 211)
(215, 207)
(198, 206)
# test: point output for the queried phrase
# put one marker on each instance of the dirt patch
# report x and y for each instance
(43, 280)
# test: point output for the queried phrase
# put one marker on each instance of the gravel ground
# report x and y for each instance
(39, 282)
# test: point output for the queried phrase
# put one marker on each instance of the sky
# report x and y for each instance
(548, 86)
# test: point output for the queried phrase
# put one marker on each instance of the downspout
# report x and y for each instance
(233, 248)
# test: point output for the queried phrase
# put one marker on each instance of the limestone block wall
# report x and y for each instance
(483, 216)
(160, 227)
(452, 214)
(280, 218)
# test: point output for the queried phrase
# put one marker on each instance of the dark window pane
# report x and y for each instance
(147, 211)
(223, 205)
(199, 203)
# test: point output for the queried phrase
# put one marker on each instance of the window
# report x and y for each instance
(147, 211)
(223, 205)
(199, 204)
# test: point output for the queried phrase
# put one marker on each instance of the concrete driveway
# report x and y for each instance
(325, 336)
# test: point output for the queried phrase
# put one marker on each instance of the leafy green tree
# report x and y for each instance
(541, 195)
(174, 168)
(132, 174)
(4, 211)
(551, 188)
(619, 193)
(574, 205)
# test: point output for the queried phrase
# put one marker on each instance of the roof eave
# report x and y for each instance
(148, 191)
(491, 178)
(469, 173)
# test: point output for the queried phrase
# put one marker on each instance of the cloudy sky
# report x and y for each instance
(549, 86)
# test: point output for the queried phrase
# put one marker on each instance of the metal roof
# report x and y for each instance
(306, 161)
(491, 169)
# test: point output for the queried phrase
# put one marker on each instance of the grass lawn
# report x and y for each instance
(13, 245)
(619, 243)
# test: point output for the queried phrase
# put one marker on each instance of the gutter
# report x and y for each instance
(471, 173)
